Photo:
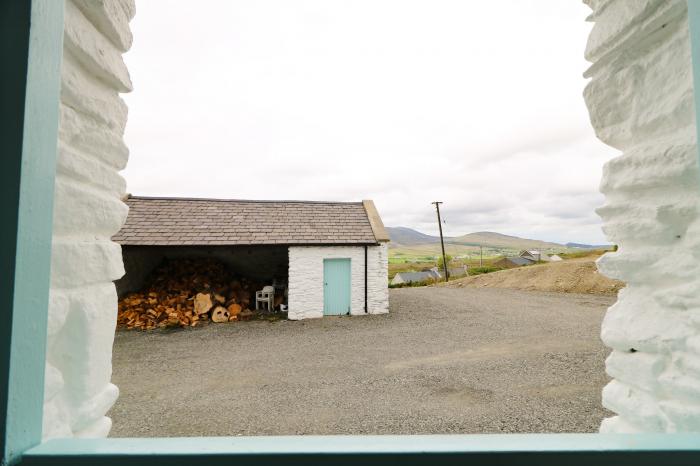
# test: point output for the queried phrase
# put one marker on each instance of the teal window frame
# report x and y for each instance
(31, 34)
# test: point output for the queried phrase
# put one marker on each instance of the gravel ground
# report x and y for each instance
(443, 361)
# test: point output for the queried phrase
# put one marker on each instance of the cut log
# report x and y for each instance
(233, 296)
(202, 303)
(244, 298)
(234, 309)
(219, 314)
(183, 292)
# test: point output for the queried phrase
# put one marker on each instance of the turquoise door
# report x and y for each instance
(336, 286)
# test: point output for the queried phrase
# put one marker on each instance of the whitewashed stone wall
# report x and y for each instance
(88, 211)
(378, 279)
(641, 102)
(306, 279)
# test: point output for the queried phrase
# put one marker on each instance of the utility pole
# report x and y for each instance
(442, 241)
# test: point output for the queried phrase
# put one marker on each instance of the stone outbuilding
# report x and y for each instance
(330, 257)
(534, 255)
(404, 278)
(512, 262)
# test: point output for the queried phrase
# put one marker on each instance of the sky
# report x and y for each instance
(475, 104)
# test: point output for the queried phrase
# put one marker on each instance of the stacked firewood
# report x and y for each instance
(186, 292)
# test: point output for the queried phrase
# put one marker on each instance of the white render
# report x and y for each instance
(87, 212)
(305, 298)
(641, 102)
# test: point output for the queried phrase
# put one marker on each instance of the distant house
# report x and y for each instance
(512, 262)
(402, 278)
(533, 255)
(458, 271)
(539, 256)
(434, 271)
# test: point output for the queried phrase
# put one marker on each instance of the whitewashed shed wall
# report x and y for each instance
(305, 298)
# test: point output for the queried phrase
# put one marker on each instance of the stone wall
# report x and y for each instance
(378, 279)
(88, 211)
(306, 279)
(640, 99)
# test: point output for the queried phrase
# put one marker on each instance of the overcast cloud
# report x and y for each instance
(476, 104)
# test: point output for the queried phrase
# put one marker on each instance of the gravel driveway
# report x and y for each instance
(443, 361)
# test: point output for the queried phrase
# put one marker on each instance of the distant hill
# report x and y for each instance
(498, 240)
(409, 237)
(588, 246)
(403, 236)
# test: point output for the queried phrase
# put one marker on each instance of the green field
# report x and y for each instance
(418, 257)
(430, 252)
(396, 267)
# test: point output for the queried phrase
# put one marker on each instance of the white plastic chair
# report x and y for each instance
(265, 296)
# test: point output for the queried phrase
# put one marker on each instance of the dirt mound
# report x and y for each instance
(572, 276)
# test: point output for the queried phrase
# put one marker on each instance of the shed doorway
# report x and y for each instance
(336, 287)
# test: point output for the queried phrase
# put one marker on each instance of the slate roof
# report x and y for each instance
(519, 260)
(159, 221)
(409, 277)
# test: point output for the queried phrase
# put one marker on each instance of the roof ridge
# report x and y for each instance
(210, 199)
